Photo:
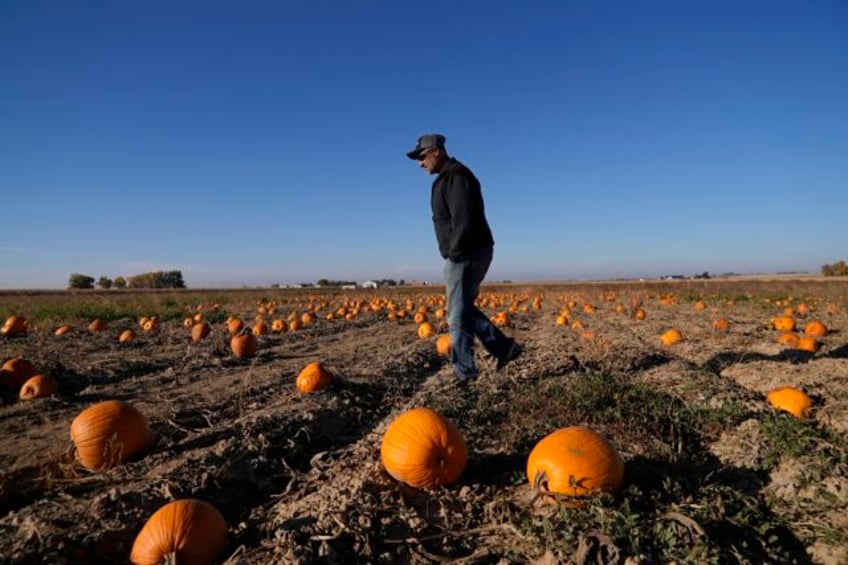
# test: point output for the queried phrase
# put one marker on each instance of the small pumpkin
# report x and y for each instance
(443, 345)
(14, 326)
(244, 344)
(234, 325)
(15, 372)
(187, 531)
(639, 314)
(808, 343)
(108, 433)
(62, 330)
(97, 325)
(815, 328)
(426, 330)
(670, 337)
(790, 399)
(279, 325)
(789, 339)
(126, 336)
(313, 377)
(423, 449)
(38, 386)
(260, 328)
(721, 324)
(200, 330)
(575, 462)
(784, 323)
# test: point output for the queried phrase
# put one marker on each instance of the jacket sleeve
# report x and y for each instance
(458, 198)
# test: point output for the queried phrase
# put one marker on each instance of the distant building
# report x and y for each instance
(369, 284)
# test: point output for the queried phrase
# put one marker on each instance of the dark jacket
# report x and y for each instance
(458, 214)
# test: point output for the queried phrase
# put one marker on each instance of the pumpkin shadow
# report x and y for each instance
(840, 352)
(494, 468)
(721, 361)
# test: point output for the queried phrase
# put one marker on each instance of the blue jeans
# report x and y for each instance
(466, 321)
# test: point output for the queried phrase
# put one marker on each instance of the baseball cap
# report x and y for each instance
(426, 141)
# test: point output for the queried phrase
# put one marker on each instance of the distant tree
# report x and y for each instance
(79, 281)
(104, 283)
(157, 279)
(120, 282)
(838, 269)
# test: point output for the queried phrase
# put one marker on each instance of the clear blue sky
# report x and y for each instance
(247, 143)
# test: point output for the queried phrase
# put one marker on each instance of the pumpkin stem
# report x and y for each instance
(170, 559)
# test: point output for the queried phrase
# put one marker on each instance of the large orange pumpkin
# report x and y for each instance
(15, 372)
(575, 462)
(790, 399)
(108, 433)
(14, 325)
(313, 377)
(188, 531)
(38, 386)
(423, 449)
(244, 344)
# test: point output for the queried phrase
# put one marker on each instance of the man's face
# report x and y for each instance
(429, 160)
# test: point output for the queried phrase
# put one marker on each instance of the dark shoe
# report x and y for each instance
(513, 352)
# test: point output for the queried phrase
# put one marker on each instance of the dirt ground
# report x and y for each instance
(298, 476)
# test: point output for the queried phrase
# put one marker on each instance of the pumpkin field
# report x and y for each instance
(693, 421)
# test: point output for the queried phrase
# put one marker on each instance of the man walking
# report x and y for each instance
(466, 244)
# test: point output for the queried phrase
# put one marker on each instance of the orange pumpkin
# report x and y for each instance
(188, 531)
(443, 345)
(721, 324)
(200, 330)
(784, 323)
(808, 343)
(244, 344)
(234, 325)
(38, 386)
(313, 377)
(62, 330)
(426, 330)
(126, 336)
(97, 325)
(575, 462)
(279, 325)
(639, 314)
(108, 433)
(789, 339)
(790, 399)
(670, 337)
(260, 328)
(15, 372)
(699, 305)
(14, 326)
(423, 449)
(815, 328)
